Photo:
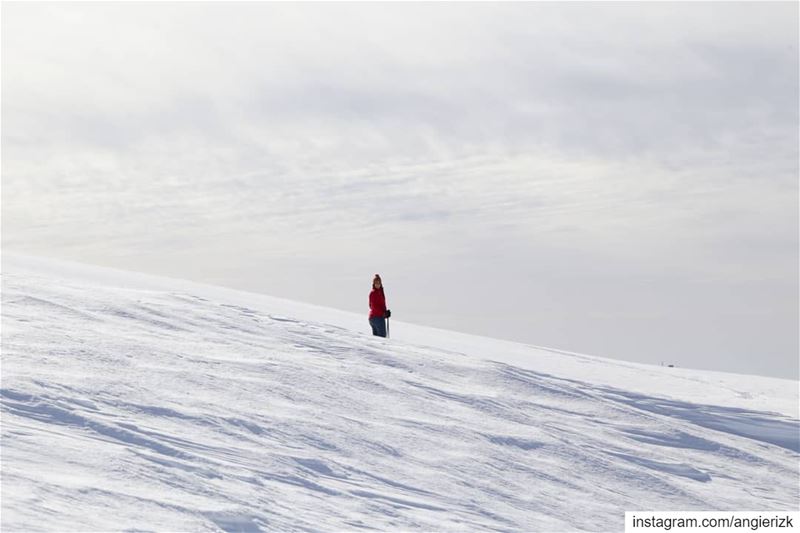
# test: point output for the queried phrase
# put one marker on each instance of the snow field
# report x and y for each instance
(127, 406)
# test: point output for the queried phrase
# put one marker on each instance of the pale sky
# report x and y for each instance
(613, 179)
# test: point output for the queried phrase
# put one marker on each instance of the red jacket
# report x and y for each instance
(377, 303)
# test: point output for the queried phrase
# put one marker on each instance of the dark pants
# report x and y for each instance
(378, 326)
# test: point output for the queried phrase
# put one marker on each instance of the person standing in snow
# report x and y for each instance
(377, 308)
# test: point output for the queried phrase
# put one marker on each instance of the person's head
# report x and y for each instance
(376, 282)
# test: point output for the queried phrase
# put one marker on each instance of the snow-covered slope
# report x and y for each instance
(131, 402)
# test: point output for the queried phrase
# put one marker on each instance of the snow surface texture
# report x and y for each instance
(138, 403)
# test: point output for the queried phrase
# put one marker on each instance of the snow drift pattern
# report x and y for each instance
(166, 410)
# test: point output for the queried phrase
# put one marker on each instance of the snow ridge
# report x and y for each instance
(142, 409)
